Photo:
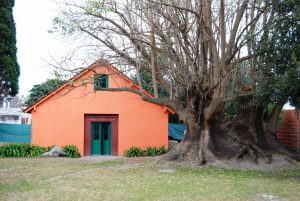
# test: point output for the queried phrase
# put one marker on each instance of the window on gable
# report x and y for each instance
(100, 81)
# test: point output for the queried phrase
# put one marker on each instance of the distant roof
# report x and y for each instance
(10, 111)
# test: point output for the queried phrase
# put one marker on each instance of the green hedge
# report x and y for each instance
(21, 150)
(150, 151)
(71, 151)
(28, 150)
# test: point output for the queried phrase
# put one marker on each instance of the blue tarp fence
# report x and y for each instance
(15, 133)
(22, 132)
(176, 131)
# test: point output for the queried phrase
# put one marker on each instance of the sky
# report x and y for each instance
(33, 19)
(35, 45)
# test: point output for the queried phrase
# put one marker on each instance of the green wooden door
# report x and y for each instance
(101, 138)
(106, 138)
(96, 138)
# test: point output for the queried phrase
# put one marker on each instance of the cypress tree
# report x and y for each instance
(9, 67)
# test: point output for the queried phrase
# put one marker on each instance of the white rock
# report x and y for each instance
(54, 152)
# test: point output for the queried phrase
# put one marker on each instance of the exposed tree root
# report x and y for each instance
(253, 153)
(190, 152)
(246, 138)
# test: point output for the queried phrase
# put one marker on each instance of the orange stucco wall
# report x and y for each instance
(59, 120)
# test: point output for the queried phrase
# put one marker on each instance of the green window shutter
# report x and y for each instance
(103, 81)
(106, 81)
(96, 82)
(100, 81)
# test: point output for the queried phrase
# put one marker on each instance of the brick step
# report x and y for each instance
(287, 140)
(289, 122)
(288, 130)
(288, 134)
(284, 140)
(291, 146)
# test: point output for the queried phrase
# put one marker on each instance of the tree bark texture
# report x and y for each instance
(247, 137)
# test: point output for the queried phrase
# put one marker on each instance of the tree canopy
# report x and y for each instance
(204, 54)
(40, 90)
(9, 67)
(281, 65)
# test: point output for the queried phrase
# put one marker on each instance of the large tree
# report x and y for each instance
(200, 52)
(9, 67)
(281, 66)
(275, 77)
(40, 90)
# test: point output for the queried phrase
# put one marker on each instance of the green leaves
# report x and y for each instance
(94, 6)
(28, 150)
(134, 152)
(280, 77)
(150, 151)
(21, 150)
(9, 67)
(71, 151)
(40, 90)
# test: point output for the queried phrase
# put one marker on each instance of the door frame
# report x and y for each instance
(89, 118)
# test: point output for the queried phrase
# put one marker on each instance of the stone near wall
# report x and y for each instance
(54, 152)
(172, 144)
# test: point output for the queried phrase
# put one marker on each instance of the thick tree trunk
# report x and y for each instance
(244, 136)
(196, 147)
(248, 137)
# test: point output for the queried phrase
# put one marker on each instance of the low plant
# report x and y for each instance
(21, 150)
(150, 151)
(161, 150)
(46, 149)
(144, 153)
(134, 152)
(71, 151)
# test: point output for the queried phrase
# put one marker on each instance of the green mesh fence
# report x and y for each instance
(15, 133)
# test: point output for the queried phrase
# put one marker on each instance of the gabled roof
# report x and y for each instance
(98, 63)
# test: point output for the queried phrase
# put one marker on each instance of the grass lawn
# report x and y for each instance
(76, 179)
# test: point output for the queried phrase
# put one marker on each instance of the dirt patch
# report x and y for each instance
(279, 162)
(99, 159)
(269, 197)
(135, 160)
(123, 163)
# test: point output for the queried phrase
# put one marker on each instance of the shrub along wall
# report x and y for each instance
(150, 151)
(28, 150)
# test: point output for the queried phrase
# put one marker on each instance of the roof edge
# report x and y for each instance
(81, 73)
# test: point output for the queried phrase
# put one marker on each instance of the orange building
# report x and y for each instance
(98, 122)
